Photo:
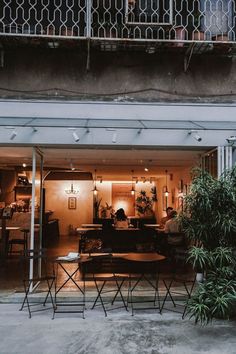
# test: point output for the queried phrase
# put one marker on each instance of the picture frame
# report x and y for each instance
(72, 203)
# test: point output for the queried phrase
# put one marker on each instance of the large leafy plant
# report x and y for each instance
(209, 215)
(144, 203)
(209, 219)
(216, 297)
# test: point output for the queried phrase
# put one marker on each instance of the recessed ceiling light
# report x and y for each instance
(146, 169)
(24, 164)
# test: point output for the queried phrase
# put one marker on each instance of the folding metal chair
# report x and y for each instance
(180, 276)
(38, 257)
(104, 264)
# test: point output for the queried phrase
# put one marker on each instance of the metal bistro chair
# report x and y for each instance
(145, 270)
(103, 273)
(37, 256)
(181, 276)
(19, 241)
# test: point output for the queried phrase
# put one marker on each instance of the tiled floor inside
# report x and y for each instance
(11, 288)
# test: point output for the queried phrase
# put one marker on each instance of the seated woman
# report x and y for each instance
(172, 225)
(121, 220)
(172, 228)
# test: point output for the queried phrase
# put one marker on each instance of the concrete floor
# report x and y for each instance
(119, 333)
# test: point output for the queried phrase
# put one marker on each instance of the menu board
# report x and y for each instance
(122, 198)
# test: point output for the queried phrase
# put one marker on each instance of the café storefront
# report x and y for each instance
(94, 126)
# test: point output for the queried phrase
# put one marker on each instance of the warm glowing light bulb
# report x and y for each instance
(132, 192)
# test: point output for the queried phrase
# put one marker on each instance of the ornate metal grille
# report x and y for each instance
(143, 20)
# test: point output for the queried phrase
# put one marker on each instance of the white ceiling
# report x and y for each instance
(111, 164)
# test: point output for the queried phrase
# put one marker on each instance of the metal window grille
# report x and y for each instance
(159, 20)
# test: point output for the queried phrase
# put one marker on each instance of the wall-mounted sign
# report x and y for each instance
(72, 203)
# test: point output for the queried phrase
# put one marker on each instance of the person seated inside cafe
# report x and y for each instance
(172, 225)
(121, 220)
(166, 218)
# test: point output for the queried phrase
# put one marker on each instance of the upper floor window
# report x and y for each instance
(149, 12)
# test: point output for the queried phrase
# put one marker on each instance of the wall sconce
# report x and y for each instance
(71, 190)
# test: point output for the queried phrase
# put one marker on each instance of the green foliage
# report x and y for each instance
(209, 219)
(144, 203)
(209, 214)
(198, 256)
(216, 297)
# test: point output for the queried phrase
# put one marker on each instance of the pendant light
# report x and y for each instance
(166, 189)
(95, 191)
(133, 188)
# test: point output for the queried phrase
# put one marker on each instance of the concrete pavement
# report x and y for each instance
(119, 333)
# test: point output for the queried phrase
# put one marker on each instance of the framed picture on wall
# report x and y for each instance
(72, 203)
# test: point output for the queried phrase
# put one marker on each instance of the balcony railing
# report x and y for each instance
(128, 20)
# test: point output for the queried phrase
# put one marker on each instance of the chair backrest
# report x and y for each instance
(176, 238)
(39, 258)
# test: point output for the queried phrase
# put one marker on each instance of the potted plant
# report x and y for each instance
(107, 211)
(216, 296)
(209, 219)
(198, 256)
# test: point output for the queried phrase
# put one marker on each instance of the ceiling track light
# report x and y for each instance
(114, 137)
(231, 140)
(75, 136)
(13, 135)
(195, 135)
(99, 178)
(72, 166)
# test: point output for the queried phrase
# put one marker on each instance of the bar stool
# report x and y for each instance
(19, 241)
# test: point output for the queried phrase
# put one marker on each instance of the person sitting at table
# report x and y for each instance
(172, 225)
(121, 220)
(166, 218)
